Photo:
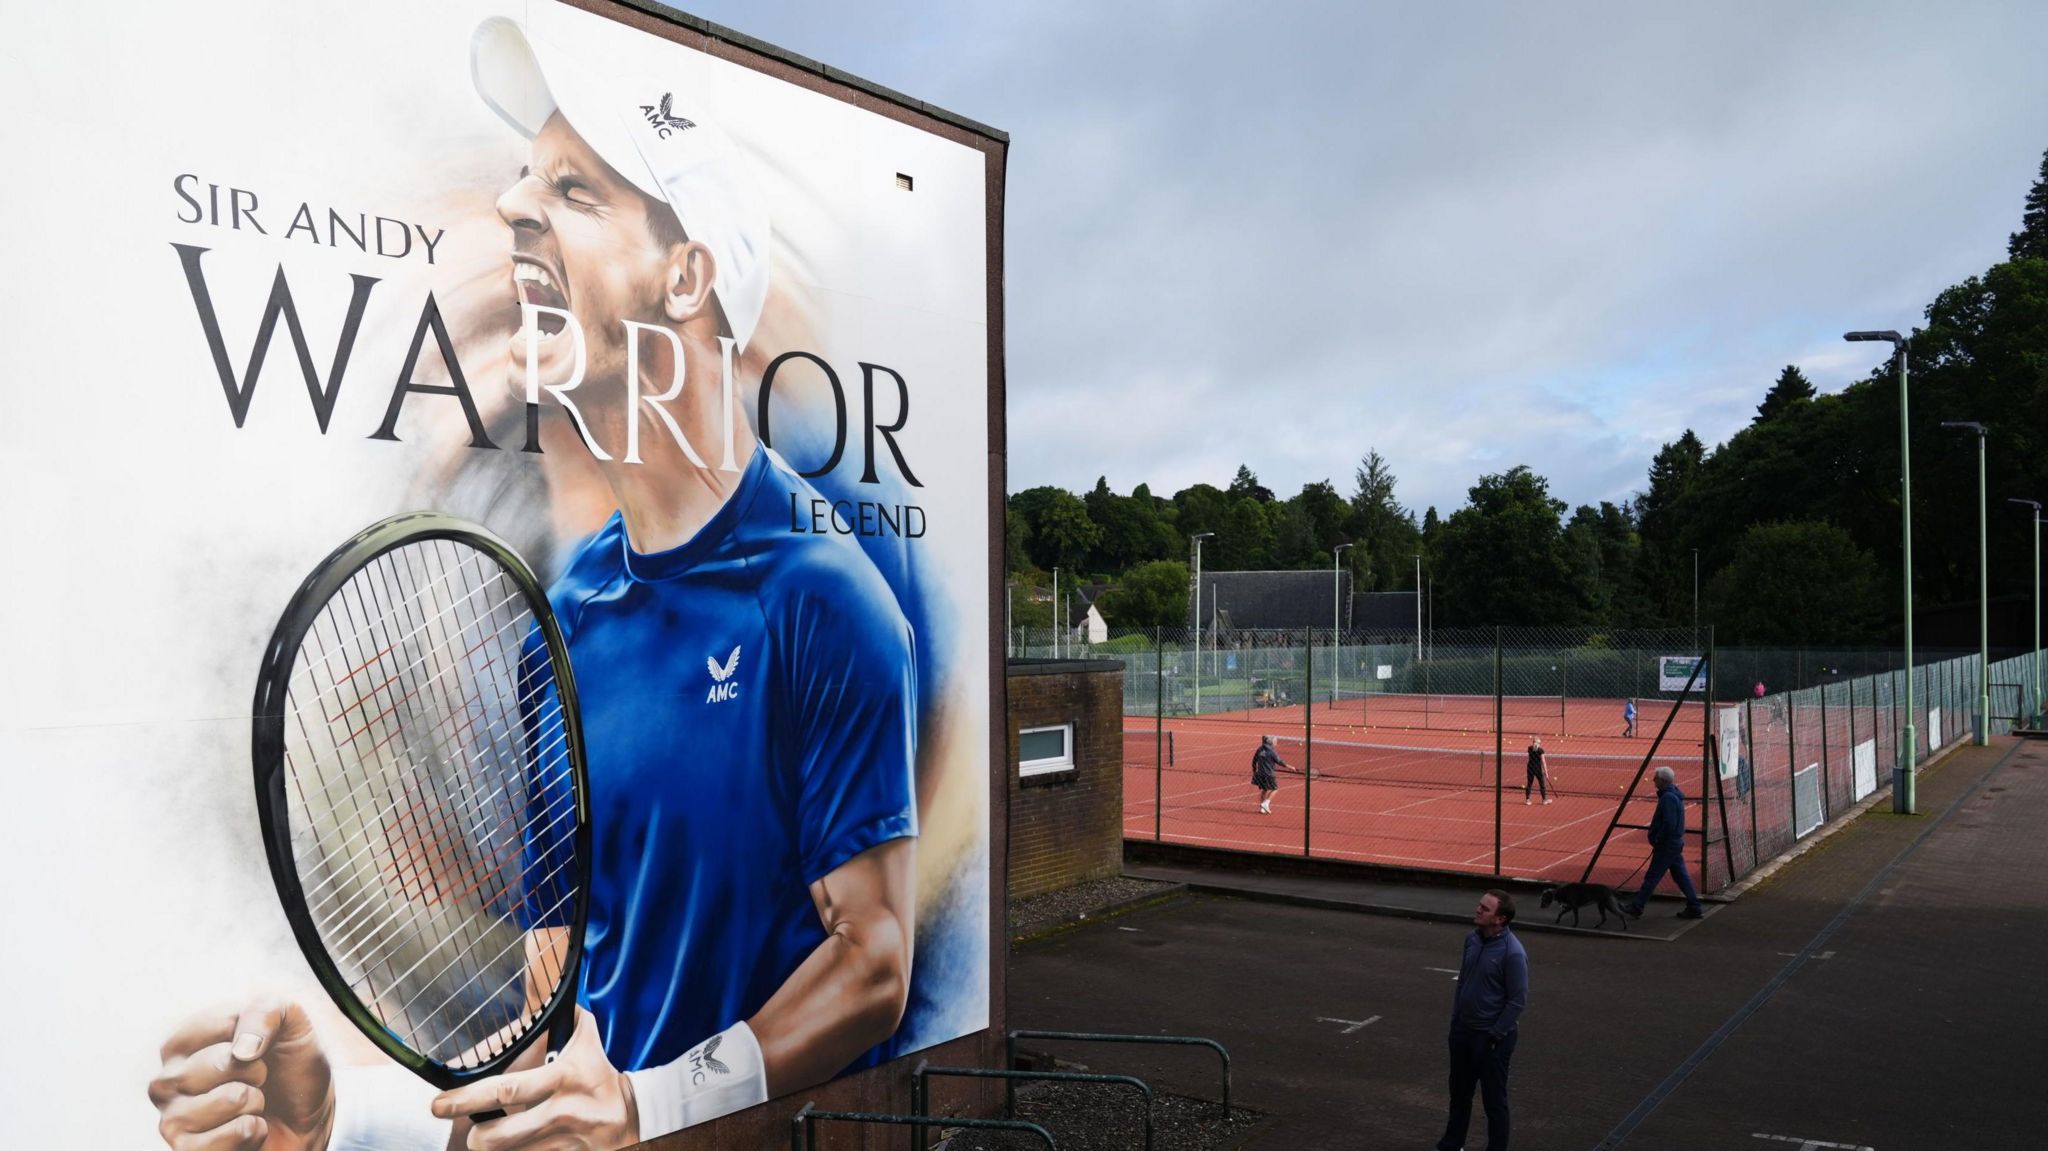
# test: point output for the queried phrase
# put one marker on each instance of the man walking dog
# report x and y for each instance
(1493, 988)
(1667, 849)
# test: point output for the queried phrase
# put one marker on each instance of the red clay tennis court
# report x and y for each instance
(1408, 796)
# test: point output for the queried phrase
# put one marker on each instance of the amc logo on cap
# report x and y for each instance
(664, 123)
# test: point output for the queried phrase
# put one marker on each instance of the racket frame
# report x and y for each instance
(267, 752)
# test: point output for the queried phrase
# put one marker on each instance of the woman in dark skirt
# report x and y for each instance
(1539, 776)
(1265, 762)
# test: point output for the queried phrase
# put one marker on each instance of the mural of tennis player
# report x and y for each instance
(748, 694)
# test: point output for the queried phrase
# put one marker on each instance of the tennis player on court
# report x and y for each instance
(1265, 762)
(1539, 776)
(748, 698)
(1628, 717)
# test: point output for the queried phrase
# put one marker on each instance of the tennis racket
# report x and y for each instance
(421, 785)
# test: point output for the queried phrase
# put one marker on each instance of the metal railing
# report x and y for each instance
(1010, 1049)
(920, 1091)
(803, 1126)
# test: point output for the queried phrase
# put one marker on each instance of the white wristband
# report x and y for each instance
(721, 1075)
(385, 1108)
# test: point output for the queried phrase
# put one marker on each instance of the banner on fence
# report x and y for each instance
(1865, 762)
(1933, 728)
(1675, 671)
(1731, 742)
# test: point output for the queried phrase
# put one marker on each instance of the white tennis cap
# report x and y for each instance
(645, 129)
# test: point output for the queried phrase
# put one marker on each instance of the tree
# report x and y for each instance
(1149, 595)
(1792, 388)
(1247, 485)
(1131, 532)
(2031, 241)
(1246, 540)
(1062, 535)
(1797, 583)
(1200, 508)
(1383, 529)
(1016, 540)
(1502, 559)
(1667, 542)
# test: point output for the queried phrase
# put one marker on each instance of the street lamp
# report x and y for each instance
(1695, 601)
(2040, 698)
(1903, 778)
(1055, 611)
(1983, 587)
(1418, 605)
(1198, 537)
(1336, 623)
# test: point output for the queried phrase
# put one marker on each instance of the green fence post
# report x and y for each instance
(1158, 735)
(1498, 747)
(1308, 738)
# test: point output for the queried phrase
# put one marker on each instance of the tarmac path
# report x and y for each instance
(1882, 991)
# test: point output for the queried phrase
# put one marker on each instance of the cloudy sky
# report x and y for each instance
(1468, 235)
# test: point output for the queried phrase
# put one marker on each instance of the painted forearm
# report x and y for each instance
(846, 997)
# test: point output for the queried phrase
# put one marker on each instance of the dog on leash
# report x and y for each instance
(1573, 896)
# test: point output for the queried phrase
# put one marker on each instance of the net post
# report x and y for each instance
(1564, 696)
(1498, 747)
(1308, 737)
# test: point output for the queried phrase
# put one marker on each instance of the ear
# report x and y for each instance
(686, 282)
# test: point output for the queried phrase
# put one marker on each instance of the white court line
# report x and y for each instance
(1355, 1023)
(1527, 840)
(1811, 1144)
(1450, 971)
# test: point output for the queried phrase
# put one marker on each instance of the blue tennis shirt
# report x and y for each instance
(749, 709)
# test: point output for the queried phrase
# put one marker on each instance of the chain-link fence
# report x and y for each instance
(1423, 756)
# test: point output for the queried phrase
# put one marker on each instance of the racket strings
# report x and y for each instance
(428, 760)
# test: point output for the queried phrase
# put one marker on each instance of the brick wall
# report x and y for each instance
(1067, 826)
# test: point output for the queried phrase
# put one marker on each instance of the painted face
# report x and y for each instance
(582, 240)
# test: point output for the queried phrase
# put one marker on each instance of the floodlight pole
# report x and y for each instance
(1055, 612)
(1198, 537)
(1418, 605)
(1695, 601)
(1983, 585)
(1336, 622)
(1904, 780)
(2040, 699)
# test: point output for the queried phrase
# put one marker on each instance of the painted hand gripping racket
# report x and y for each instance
(420, 778)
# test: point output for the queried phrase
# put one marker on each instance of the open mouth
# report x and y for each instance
(534, 284)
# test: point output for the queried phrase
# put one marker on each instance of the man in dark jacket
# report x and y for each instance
(1493, 988)
(1667, 849)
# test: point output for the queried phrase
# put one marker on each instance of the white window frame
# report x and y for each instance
(1063, 762)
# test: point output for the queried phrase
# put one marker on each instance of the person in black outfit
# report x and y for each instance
(1539, 777)
(1486, 1013)
(1264, 762)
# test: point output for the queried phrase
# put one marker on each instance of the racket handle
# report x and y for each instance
(559, 1031)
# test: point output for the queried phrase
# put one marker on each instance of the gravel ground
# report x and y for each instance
(1103, 1117)
(1029, 916)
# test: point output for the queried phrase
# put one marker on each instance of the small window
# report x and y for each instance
(904, 182)
(1045, 749)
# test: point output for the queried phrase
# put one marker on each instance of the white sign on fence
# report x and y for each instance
(1806, 812)
(1864, 759)
(1675, 671)
(1386, 671)
(1731, 742)
(1933, 728)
